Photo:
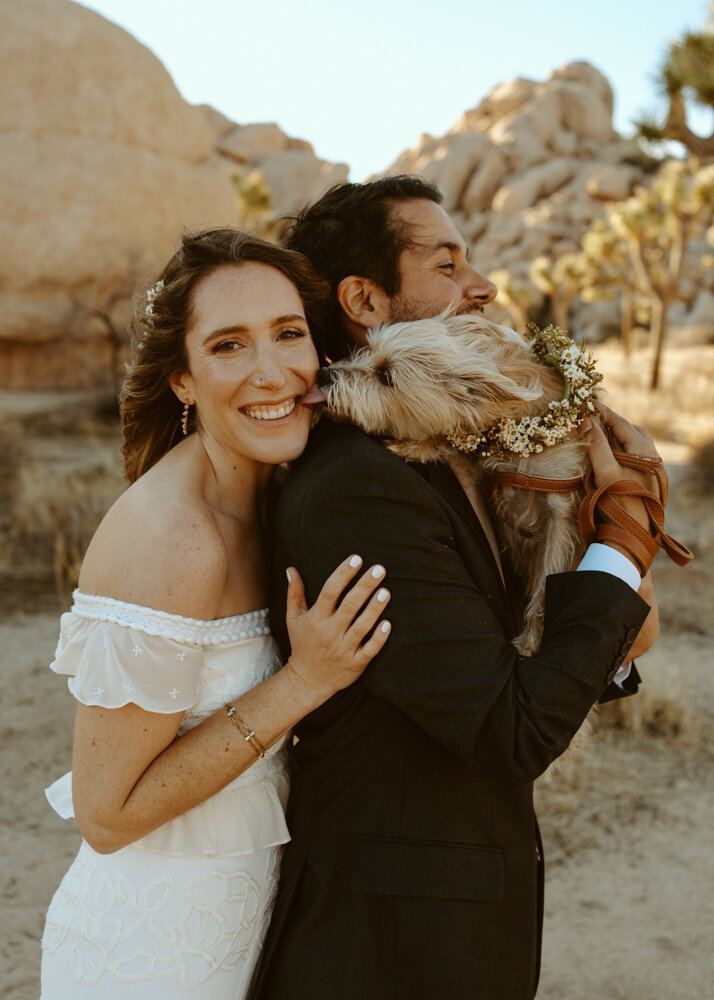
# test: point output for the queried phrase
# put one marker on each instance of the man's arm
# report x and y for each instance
(447, 664)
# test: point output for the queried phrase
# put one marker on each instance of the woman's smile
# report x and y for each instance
(271, 412)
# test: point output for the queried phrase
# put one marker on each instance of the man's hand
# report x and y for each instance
(601, 437)
(614, 431)
(650, 630)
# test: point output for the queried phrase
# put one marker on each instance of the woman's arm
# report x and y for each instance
(131, 772)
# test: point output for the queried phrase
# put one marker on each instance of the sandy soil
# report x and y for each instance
(627, 827)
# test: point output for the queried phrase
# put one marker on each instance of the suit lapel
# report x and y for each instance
(445, 482)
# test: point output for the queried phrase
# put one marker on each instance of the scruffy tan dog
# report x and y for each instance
(425, 386)
(421, 386)
(502, 412)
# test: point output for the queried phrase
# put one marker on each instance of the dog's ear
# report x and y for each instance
(498, 388)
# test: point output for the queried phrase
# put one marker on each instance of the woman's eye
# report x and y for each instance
(292, 333)
(226, 346)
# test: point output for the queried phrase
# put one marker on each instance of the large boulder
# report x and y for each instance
(584, 112)
(296, 177)
(102, 162)
(537, 183)
(453, 163)
(590, 77)
(612, 183)
(484, 182)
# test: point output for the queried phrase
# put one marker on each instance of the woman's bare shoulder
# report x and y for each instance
(158, 548)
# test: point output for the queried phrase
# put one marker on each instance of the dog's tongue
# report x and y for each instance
(314, 396)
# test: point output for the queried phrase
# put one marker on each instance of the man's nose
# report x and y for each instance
(477, 288)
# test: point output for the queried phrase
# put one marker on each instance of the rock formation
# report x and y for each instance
(101, 164)
(526, 171)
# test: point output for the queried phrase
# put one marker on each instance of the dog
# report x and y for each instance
(503, 412)
(422, 387)
(418, 386)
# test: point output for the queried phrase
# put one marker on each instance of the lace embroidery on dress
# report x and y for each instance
(162, 927)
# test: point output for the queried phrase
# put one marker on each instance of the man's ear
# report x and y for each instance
(363, 302)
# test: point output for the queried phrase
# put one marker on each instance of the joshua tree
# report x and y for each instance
(514, 296)
(686, 75)
(562, 280)
(641, 244)
(605, 273)
(254, 198)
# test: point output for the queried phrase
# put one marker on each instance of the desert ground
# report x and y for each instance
(627, 826)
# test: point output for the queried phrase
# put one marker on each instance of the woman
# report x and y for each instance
(183, 709)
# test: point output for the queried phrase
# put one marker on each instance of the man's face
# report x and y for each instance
(435, 273)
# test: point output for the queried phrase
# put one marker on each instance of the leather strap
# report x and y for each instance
(537, 483)
(614, 524)
(643, 463)
(617, 526)
(523, 481)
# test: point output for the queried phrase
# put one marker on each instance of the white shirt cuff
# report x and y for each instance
(604, 559)
(622, 674)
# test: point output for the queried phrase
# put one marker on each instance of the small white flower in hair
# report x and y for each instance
(151, 294)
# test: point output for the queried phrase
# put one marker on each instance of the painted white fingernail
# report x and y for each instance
(385, 627)
(287, 573)
(378, 571)
(355, 561)
(383, 595)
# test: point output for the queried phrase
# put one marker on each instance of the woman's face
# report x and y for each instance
(251, 361)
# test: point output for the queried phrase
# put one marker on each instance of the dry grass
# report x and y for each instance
(60, 470)
(55, 515)
(703, 466)
(664, 706)
(681, 409)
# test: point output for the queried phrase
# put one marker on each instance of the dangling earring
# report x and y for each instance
(184, 419)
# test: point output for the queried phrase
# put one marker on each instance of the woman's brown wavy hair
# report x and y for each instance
(150, 411)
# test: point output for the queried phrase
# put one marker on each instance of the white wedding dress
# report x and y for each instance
(184, 910)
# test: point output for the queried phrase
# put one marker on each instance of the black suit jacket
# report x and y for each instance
(414, 866)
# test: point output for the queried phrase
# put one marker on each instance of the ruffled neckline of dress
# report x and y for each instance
(163, 623)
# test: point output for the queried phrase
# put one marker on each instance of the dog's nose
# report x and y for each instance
(326, 376)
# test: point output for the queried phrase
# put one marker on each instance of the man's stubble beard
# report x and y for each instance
(404, 310)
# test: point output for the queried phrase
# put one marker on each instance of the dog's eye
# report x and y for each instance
(384, 375)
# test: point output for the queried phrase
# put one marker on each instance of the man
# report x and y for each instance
(415, 866)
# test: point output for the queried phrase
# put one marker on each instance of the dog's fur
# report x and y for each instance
(414, 383)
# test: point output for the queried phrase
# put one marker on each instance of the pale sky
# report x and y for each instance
(361, 81)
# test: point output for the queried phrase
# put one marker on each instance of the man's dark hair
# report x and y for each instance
(351, 230)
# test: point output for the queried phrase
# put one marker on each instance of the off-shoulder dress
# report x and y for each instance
(183, 910)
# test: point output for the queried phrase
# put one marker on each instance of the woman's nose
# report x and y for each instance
(269, 372)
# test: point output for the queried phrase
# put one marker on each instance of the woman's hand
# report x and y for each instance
(328, 644)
